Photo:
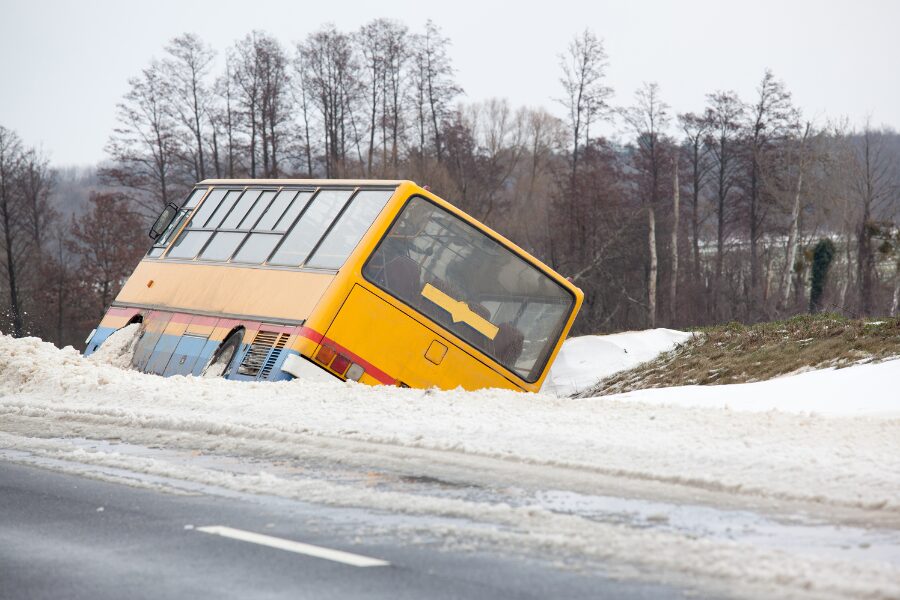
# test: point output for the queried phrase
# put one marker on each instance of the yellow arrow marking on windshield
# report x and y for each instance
(460, 311)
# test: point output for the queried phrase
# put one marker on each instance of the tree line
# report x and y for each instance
(742, 209)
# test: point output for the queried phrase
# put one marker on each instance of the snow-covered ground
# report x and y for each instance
(585, 360)
(820, 448)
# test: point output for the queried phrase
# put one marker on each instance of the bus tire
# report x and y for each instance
(221, 360)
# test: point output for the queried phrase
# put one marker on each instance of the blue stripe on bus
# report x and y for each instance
(97, 339)
(161, 354)
(188, 355)
(205, 354)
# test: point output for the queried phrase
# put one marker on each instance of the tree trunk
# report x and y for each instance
(895, 302)
(216, 157)
(865, 259)
(720, 255)
(252, 142)
(673, 284)
(14, 307)
(695, 211)
(848, 257)
(198, 134)
(865, 265)
(651, 276)
(372, 123)
(791, 256)
(754, 237)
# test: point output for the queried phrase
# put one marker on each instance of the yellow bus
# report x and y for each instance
(379, 282)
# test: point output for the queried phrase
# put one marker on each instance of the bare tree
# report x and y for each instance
(224, 122)
(895, 297)
(383, 49)
(648, 119)
(772, 118)
(274, 110)
(300, 92)
(723, 113)
(794, 227)
(696, 129)
(676, 218)
(544, 138)
(484, 144)
(108, 241)
(873, 184)
(262, 92)
(186, 70)
(432, 82)
(36, 184)
(329, 77)
(371, 43)
(396, 58)
(15, 242)
(585, 93)
(144, 144)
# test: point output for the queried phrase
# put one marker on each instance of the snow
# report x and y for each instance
(861, 390)
(585, 360)
(825, 441)
(118, 347)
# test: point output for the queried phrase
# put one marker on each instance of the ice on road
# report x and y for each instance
(712, 443)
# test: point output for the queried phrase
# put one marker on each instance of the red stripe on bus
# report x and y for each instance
(204, 321)
(371, 369)
(121, 312)
(310, 334)
(228, 323)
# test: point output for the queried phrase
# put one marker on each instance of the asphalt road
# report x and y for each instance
(65, 536)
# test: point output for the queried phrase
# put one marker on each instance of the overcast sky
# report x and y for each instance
(65, 64)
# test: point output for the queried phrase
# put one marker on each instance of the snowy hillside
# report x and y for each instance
(819, 444)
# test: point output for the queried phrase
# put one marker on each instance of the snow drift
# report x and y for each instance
(734, 441)
(585, 360)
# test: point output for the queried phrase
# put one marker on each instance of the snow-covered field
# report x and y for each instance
(819, 449)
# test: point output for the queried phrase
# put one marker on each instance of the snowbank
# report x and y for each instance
(585, 360)
(861, 390)
(118, 348)
(681, 439)
(643, 435)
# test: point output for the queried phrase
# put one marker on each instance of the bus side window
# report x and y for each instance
(209, 205)
(309, 228)
(244, 204)
(276, 209)
(351, 226)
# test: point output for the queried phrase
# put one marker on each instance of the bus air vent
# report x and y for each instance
(273, 357)
(255, 360)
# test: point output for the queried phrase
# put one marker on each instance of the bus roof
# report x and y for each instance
(311, 182)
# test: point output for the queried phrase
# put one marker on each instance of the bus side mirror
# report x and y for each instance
(163, 221)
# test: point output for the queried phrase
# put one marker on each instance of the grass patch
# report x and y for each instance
(736, 353)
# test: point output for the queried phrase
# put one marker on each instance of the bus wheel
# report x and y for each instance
(221, 359)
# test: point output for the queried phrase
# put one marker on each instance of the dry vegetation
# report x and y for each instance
(736, 353)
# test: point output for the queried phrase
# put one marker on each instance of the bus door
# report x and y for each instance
(153, 327)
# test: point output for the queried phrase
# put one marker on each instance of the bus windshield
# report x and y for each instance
(471, 285)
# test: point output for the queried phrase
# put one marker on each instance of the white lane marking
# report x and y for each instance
(347, 558)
